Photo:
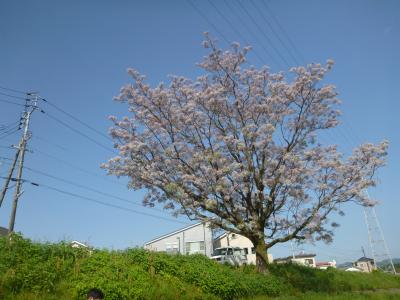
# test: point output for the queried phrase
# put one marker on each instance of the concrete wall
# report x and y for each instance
(177, 242)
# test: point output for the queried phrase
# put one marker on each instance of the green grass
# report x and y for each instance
(30, 270)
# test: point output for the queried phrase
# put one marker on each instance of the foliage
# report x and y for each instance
(305, 279)
(30, 270)
(237, 148)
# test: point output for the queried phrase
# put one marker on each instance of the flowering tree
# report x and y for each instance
(237, 148)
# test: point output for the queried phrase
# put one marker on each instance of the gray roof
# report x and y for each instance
(172, 233)
(361, 259)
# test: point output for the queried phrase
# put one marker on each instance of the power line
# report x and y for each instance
(12, 90)
(49, 142)
(8, 133)
(5, 126)
(249, 29)
(11, 102)
(12, 96)
(57, 108)
(231, 25)
(283, 31)
(77, 119)
(86, 187)
(263, 33)
(74, 166)
(227, 3)
(79, 133)
(273, 31)
(209, 22)
(95, 200)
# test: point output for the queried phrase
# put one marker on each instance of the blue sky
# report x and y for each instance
(75, 53)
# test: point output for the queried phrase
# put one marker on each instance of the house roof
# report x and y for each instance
(296, 256)
(3, 231)
(79, 244)
(221, 236)
(173, 233)
(361, 259)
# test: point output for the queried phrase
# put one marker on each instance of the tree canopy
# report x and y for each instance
(238, 147)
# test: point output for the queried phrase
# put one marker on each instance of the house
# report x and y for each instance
(323, 265)
(365, 264)
(3, 231)
(301, 259)
(196, 238)
(236, 240)
(76, 244)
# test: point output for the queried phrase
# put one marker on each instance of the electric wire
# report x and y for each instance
(35, 136)
(12, 90)
(11, 102)
(76, 119)
(8, 133)
(12, 96)
(209, 22)
(263, 33)
(235, 29)
(5, 126)
(86, 187)
(95, 200)
(292, 44)
(79, 133)
(274, 32)
(68, 164)
(75, 167)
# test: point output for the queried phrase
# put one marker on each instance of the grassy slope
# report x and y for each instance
(56, 271)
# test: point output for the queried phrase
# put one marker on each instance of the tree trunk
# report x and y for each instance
(261, 256)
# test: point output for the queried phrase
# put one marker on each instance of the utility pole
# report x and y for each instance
(363, 251)
(11, 171)
(30, 107)
(9, 175)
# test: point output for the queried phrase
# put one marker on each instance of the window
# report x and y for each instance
(246, 251)
(194, 247)
(172, 247)
(230, 251)
(238, 251)
(309, 261)
(253, 250)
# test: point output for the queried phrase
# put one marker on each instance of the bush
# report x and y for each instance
(30, 270)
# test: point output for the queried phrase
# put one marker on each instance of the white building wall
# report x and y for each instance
(178, 242)
(237, 240)
(305, 261)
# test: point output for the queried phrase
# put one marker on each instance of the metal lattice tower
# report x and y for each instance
(377, 243)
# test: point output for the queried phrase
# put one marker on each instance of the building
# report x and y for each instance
(76, 244)
(301, 259)
(235, 240)
(365, 264)
(323, 265)
(193, 239)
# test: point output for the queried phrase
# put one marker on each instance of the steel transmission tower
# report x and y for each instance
(377, 243)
